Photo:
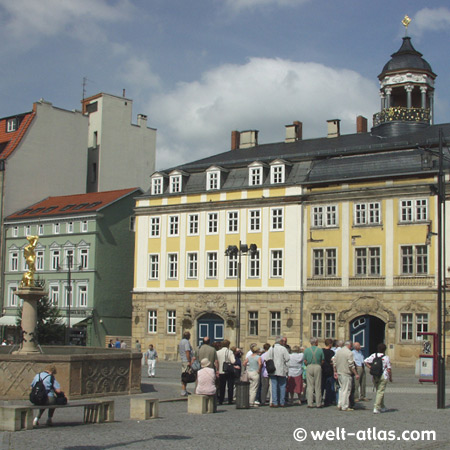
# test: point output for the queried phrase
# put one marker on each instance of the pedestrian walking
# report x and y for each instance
(151, 356)
(379, 365)
(360, 384)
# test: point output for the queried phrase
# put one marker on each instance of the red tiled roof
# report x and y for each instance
(71, 204)
(9, 141)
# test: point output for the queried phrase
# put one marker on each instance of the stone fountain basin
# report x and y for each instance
(81, 371)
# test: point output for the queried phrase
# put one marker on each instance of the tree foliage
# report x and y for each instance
(49, 328)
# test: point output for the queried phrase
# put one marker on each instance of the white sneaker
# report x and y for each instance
(36, 422)
(376, 411)
(257, 403)
(184, 394)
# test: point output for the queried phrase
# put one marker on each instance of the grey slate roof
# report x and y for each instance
(406, 58)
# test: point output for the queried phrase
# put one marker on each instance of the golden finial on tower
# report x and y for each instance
(406, 21)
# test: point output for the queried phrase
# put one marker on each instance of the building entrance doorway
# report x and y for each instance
(210, 325)
(368, 331)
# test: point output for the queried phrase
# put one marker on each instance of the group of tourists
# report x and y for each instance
(281, 375)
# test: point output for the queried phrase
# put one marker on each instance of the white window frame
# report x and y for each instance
(413, 210)
(152, 327)
(316, 325)
(407, 327)
(192, 265)
(324, 216)
(232, 266)
(55, 259)
(174, 226)
(367, 213)
(84, 226)
(83, 257)
(232, 222)
(213, 180)
(40, 229)
(53, 294)
(56, 228)
(418, 260)
(212, 226)
(172, 266)
(277, 174)
(253, 323)
(69, 227)
(422, 325)
(14, 258)
(171, 321)
(255, 176)
(175, 183)
(27, 230)
(13, 299)
(11, 125)
(82, 295)
(39, 264)
(68, 293)
(153, 266)
(157, 185)
(193, 224)
(276, 263)
(15, 231)
(211, 265)
(324, 262)
(254, 220)
(254, 264)
(275, 323)
(329, 325)
(366, 260)
(276, 219)
(155, 226)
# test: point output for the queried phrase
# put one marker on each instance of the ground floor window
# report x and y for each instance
(152, 321)
(275, 323)
(411, 324)
(253, 323)
(323, 325)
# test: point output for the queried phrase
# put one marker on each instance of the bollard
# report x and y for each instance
(242, 394)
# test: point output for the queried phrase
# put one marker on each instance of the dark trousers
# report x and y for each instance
(328, 390)
(226, 379)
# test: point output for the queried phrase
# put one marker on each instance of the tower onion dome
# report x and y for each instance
(406, 58)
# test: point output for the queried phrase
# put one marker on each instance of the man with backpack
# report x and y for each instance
(43, 389)
(380, 369)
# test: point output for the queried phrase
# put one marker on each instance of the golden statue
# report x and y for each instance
(30, 258)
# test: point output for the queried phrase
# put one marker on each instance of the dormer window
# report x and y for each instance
(212, 180)
(157, 186)
(255, 176)
(277, 174)
(256, 173)
(175, 184)
(11, 125)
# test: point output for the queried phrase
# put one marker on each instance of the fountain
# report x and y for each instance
(82, 371)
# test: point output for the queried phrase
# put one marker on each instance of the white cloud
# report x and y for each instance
(239, 5)
(24, 21)
(432, 19)
(137, 73)
(196, 119)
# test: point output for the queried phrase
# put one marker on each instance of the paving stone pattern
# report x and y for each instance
(411, 406)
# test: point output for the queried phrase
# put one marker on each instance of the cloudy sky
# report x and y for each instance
(202, 68)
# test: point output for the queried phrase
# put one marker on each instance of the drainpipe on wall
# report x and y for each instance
(302, 294)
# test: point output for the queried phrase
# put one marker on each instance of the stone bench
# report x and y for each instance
(144, 408)
(20, 417)
(202, 404)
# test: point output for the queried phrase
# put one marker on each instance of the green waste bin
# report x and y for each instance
(242, 394)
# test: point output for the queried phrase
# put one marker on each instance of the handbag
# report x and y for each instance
(61, 398)
(196, 366)
(227, 367)
(188, 376)
(244, 375)
(270, 366)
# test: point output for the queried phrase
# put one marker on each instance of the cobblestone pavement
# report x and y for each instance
(411, 409)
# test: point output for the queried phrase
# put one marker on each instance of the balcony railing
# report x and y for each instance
(398, 113)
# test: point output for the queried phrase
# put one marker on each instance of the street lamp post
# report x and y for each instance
(69, 293)
(234, 250)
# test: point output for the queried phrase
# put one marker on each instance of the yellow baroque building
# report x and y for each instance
(333, 237)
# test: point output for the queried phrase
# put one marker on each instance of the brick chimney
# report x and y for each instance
(235, 135)
(361, 124)
(294, 132)
(334, 128)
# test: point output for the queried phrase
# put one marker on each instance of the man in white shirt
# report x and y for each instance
(360, 385)
(380, 381)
